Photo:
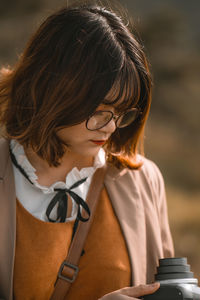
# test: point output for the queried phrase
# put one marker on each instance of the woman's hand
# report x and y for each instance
(132, 292)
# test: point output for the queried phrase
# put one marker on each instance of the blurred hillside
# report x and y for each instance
(170, 32)
(173, 43)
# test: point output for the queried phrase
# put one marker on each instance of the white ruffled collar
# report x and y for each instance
(73, 176)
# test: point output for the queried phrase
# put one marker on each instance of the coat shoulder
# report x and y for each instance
(150, 170)
(147, 178)
(153, 180)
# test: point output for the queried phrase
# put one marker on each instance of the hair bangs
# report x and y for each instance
(125, 92)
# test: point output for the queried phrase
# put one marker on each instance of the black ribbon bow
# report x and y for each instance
(61, 198)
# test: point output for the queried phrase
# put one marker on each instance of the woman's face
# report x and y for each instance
(82, 141)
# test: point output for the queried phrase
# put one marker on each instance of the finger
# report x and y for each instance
(141, 290)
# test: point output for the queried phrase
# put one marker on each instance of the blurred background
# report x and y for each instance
(170, 32)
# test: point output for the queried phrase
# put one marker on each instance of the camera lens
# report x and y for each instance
(173, 268)
(176, 281)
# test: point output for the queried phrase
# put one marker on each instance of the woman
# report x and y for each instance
(78, 100)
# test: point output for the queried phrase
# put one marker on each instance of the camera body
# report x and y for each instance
(176, 281)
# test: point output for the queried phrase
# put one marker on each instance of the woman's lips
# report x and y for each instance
(98, 142)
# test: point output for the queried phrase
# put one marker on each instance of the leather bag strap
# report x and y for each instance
(69, 268)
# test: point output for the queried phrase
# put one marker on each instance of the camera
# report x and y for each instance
(176, 281)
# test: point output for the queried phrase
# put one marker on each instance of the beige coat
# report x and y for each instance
(138, 198)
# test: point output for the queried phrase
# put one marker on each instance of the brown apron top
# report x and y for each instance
(42, 246)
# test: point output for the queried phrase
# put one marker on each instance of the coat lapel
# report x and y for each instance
(7, 221)
(126, 200)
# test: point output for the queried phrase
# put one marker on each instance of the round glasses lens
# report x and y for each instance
(127, 118)
(99, 119)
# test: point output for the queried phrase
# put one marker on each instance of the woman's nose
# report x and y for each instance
(109, 128)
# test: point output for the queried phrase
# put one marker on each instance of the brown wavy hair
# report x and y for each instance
(70, 65)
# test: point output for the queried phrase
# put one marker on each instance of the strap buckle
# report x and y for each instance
(65, 277)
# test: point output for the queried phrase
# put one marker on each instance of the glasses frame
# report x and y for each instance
(113, 116)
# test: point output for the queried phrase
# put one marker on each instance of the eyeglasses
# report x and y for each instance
(102, 117)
